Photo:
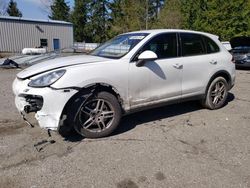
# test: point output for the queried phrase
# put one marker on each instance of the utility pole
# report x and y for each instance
(146, 14)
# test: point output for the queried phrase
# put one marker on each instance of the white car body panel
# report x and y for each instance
(89, 74)
(49, 116)
(152, 81)
(57, 63)
(195, 71)
(156, 82)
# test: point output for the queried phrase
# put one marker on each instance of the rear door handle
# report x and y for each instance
(213, 62)
(178, 66)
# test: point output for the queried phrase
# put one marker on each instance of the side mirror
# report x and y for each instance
(146, 56)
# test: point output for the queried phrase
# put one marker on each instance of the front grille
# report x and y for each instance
(35, 103)
(239, 57)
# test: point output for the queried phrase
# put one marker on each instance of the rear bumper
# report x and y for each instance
(47, 103)
(243, 64)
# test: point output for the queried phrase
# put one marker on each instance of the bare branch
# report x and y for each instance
(3, 7)
(46, 6)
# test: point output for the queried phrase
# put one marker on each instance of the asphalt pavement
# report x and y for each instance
(180, 145)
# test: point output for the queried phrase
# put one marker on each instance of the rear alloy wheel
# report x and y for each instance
(216, 94)
(98, 116)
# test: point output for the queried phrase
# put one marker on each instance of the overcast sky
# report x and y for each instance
(34, 8)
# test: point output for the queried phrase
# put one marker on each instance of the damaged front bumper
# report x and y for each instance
(47, 103)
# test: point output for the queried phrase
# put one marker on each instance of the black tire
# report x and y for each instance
(66, 130)
(99, 116)
(216, 94)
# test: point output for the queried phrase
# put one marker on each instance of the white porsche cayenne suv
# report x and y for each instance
(133, 71)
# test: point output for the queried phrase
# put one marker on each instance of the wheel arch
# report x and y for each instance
(95, 87)
(221, 73)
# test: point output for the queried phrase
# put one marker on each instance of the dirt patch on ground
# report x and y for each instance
(8, 126)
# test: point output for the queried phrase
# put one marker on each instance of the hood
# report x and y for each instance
(58, 63)
(240, 41)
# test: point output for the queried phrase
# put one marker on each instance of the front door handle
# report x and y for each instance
(178, 66)
(213, 62)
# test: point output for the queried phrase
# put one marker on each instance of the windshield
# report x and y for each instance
(119, 46)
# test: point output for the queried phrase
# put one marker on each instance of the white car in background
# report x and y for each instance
(227, 45)
(131, 72)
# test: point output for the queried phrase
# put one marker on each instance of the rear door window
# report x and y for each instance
(192, 44)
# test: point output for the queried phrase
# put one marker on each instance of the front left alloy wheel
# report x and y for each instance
(99, 116)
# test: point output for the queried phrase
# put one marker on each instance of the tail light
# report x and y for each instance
(233, 60)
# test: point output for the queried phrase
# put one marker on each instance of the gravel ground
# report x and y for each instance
(175, 146)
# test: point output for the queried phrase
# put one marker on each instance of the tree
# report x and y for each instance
(99, 20)
(128, 15)
(157, 5)
(170, 16)
(12, 9)
(223, 18)
(80, 18)
(59, 10)
(116, 17)
(152, 12)
(45, 6)
(226, 18)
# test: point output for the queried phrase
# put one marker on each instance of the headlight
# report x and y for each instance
(47, 79)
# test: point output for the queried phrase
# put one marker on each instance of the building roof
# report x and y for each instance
(20, 19)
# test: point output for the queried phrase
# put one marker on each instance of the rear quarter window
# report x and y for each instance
(211, 46)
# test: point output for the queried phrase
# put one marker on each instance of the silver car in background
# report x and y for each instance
(241, 51)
